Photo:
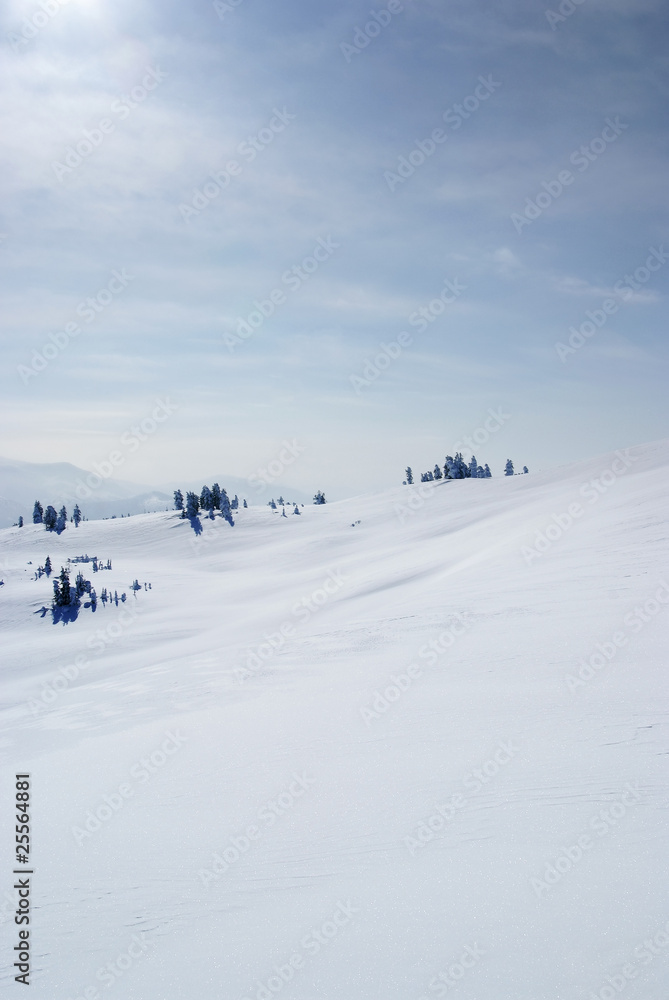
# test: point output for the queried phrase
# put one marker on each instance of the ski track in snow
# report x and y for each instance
(367, 784)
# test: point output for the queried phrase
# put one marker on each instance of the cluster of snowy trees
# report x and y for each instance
(275, 504)
(98, 565)
(55, 520)
(210, 499)
(66, 595)
(455, 467)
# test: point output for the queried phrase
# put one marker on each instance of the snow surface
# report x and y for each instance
(392, 913)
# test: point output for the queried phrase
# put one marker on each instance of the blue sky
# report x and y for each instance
(157, 97)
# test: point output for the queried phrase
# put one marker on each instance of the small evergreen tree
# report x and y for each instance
(473, 468)
(178, 500)
(488, 473)
(20, 522)
(226, 512)
(409, 475)
(47, 566)
(63, 594)
(61, 522)
(319, 497)
(508, 468)
(38, 513)
(296, 509)
(525, 470)
(206, 501)
(216, 496)
(234, 504)
(192, 505)
(76, 515)
(50, 518)
(245, 503)
(437, 472)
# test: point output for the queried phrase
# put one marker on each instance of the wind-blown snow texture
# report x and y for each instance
(335, 877)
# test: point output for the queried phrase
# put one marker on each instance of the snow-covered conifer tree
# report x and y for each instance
(508, 468)
(473, 468)
(38, 513)
(61, 522)
(50, 518)
(178, 500)
(216, 496)
(76, 515)
(525, 469)
(409, 475)
(47, 566)
(319, 497)
(206, 501)
(296, 510)
(437, 472)
(192, 505)
(62, 592)
(226, 512)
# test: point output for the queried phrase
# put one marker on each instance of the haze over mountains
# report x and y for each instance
(57, 483)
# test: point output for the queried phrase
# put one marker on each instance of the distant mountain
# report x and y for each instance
(58, 483)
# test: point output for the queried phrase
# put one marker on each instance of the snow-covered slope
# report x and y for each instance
(343, 753)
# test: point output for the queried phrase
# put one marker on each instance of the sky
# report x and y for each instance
(330, 240)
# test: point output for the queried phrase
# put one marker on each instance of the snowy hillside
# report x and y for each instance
(406, 745)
